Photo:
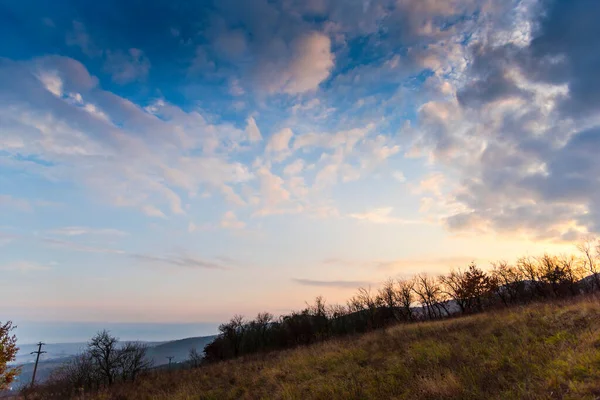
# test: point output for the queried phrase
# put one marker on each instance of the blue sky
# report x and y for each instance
(179, 162)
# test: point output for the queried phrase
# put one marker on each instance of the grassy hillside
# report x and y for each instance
(541, 351)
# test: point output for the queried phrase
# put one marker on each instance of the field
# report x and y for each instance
(539, 351)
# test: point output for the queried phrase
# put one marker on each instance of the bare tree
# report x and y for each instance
(79, 372)
(104, 351)
(132, 360)
(509, 282)
(430, 295)
(369, 304)
(195, 358)
(387, 297)
(454, 286)
(590, 249)
(405, 297)
(529, 270)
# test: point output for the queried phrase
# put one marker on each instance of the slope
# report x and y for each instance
(540, 351)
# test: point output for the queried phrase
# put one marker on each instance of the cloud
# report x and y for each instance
(152, 211)
(73, 246)
(311, 64)
(278, 144)
(15, 203)
(230, 221)
(274, 197)
(24, 266)
(522, 129)
(181, 260)
(80, 38)
(127, 67)
(383, 216)
(23, 205)
(399, 176)
(53, 111)
(332, 284)
(294, 168)
(252, 131)
(81, 230)
(408, 266)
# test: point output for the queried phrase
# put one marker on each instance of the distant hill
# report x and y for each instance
(178, 349)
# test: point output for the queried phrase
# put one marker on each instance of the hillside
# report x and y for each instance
(178, 349)
(541, 351)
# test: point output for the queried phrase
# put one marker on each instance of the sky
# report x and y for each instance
(178, 162)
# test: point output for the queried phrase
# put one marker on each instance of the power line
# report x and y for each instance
(37, 359)
(170, 358)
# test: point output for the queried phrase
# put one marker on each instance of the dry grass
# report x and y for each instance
(542, 351)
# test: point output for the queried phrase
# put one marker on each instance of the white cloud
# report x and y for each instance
(295, 167)
(399, 176)
(152, 211)
(383, 216)
(252, 131)
(24, 266)
(230, 221)
(278, 144)
(81, 230)
(149, 158)
(309, 64)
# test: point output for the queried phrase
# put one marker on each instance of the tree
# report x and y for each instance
(132, 360)
(233, 332)
(430, 296)
(195, 358)
(78, 372)
(106, 355)
(591, 252)
(388, 298)
(406, 298)
(8, 353)
(509, 280)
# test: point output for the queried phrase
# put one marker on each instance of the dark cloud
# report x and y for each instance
(530, 108)
(566, 50)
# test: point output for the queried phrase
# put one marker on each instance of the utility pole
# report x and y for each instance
(37, 359)
(170, 358)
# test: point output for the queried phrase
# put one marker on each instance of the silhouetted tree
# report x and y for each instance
(194, 358)
(131, 360)
(509, 279)
(233, 332)
(104, 351)
(591, 252)
(405, 297)
(430, 296)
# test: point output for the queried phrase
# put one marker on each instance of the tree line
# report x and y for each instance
(423, 297)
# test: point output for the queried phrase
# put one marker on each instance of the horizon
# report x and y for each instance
(169, 162)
